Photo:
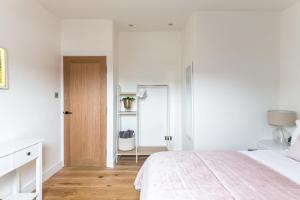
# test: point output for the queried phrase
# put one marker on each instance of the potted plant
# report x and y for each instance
(128, 102)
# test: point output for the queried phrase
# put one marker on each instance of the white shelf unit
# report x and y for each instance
(139, 150)
(122, 114)
(127, 93)
(127, 113)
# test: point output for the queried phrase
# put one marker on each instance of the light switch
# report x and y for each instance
(56, 95)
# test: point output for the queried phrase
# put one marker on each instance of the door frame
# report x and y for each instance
(110, 115)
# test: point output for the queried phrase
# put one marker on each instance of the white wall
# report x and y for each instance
(31, 36)
(189, 36)
(153, 58)
(236, 78)
(87, 35)
(95, 37)
(290, 58)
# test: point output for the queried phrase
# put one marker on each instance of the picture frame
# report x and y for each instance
(3, 69)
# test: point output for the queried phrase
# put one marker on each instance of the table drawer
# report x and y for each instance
(26, 155)
(6, 165)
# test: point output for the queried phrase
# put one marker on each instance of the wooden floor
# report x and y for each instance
(95, 184)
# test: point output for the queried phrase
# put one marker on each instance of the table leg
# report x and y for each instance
(16, 187)
(39, 174)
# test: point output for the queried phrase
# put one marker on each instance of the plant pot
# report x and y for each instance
(127, 144)
(127, 104)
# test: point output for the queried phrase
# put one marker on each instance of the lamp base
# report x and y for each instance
(281, 135)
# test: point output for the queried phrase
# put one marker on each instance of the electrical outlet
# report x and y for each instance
(168, 138)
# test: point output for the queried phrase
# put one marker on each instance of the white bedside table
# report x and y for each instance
(271, 145)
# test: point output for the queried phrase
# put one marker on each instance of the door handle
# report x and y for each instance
(67, 113)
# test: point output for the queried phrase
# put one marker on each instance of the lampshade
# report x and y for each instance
(282, 118)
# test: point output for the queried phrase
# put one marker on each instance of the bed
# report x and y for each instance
(255, 175)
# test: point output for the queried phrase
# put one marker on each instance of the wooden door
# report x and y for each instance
(85, 111)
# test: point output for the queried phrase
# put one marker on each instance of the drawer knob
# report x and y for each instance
(29, 153)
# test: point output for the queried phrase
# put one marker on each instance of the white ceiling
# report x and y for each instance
(153, 15)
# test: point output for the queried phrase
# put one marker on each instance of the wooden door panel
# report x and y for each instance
(85, 97)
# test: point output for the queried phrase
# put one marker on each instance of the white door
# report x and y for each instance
(153, 116)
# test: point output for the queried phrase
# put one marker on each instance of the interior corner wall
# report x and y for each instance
(236, 78)
(153, 58)
(31, 36)
(116, 83)
(189, 49)
(290, 58)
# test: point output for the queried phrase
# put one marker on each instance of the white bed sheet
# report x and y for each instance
(278, 161)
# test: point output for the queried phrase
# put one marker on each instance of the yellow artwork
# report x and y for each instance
(3, 78)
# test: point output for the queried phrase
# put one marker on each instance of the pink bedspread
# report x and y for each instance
(211, 176)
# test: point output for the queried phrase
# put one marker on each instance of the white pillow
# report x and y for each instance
(296, 133)
(294, 151)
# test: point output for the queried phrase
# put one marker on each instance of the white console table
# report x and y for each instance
(15, 154)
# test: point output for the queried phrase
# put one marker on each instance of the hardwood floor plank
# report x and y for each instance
(95, 183)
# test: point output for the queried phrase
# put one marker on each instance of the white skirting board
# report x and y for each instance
(29, 187)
